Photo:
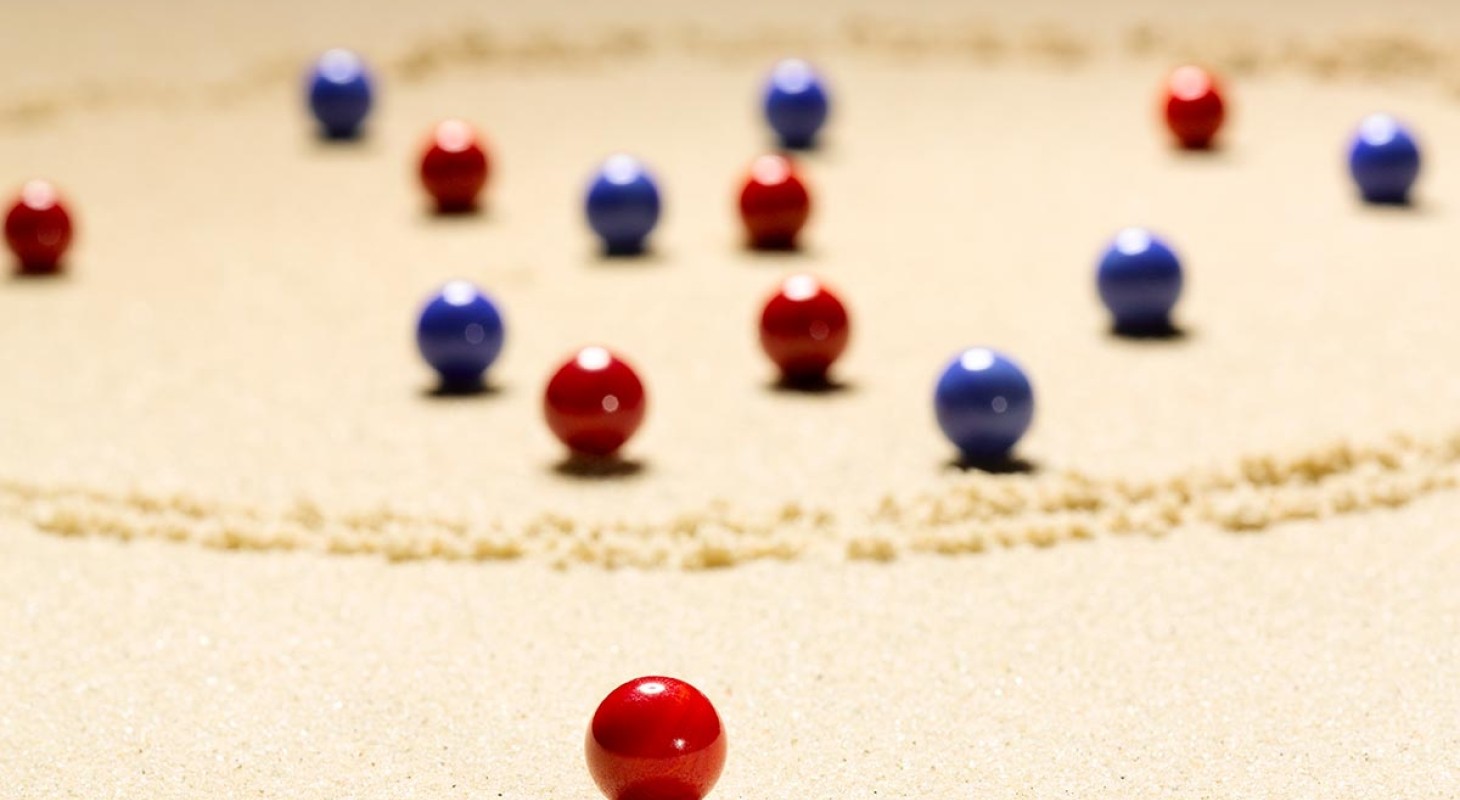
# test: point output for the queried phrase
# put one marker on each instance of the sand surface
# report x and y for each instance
(1314, 661)
(231, 366)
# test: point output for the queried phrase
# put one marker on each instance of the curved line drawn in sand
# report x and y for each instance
(970, 514)
(1236, 50)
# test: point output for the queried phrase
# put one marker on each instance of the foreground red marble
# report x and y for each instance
(655, 738)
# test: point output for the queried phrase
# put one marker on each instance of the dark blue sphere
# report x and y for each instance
(460, 334)
(1139, 280)
(796, 105)
(1384, 160)
(623, 205)
(340, 93)
(984, 404)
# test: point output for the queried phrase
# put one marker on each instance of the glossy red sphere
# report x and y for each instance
(804, 328)
(455, 167)
(774, 204)
(38, 229)
(1194, 107)
(594, 402)
(655, 739)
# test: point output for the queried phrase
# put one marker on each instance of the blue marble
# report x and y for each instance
(460, 334)
(1384, 160)
(1139, 279)
(796, 103)
(984, 404)
(623, 205)
(341, 93)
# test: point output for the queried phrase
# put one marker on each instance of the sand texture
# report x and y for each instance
(1309, 662)
(217, 443)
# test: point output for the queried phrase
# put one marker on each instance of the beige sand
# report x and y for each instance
(1315, 661)
(231, 365)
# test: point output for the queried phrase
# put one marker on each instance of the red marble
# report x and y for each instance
(804, 329)
(655, 738)
(774, 204)
(38, 229)
(594, 402)
(455, 167)
(1194, 107)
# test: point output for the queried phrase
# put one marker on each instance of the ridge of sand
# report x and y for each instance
(1235, 49)
(972, 514)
